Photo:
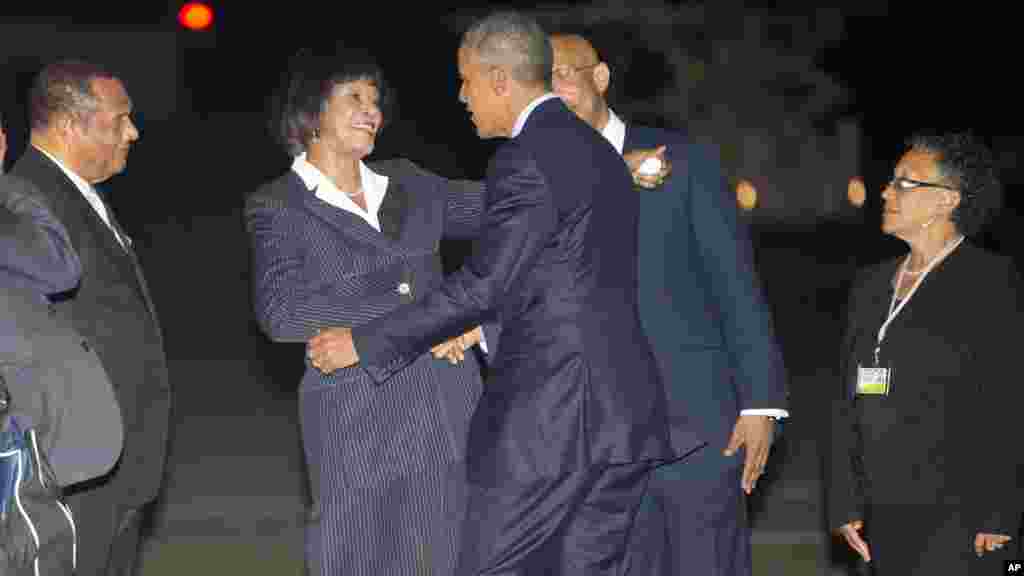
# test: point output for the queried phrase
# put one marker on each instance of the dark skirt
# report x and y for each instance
(387, 464)
(907, 539)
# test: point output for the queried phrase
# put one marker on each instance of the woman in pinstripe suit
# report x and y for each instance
(338, 242)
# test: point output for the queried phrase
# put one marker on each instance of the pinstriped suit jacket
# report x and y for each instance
(316, 266)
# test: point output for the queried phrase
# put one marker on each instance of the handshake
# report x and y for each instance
(333, 348)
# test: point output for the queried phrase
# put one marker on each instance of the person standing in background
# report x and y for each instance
(924, 465)
(707, 321)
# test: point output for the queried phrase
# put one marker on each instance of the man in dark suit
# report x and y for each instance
(53, 375)
(572, 418)
(711, 333)
(81, 133)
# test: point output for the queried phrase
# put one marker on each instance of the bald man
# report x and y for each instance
(703, 311)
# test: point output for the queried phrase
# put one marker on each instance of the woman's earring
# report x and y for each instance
(316, 134)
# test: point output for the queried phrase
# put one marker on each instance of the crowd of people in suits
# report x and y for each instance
(633, 379)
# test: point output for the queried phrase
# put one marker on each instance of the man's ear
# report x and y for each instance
(499, 80)
(951, 199)
(602, 78)
(68, 126)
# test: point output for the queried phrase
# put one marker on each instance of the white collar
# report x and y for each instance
(615, 131)
(521, 120)
(88, 192)
(374, 188)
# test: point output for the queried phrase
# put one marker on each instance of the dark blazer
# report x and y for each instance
(944, 435)
(572, 383)
(369, 447)
(54, 377)
(112, 309)
(699, 299)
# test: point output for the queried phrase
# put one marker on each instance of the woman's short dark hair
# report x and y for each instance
(312, 75)
(968, 164)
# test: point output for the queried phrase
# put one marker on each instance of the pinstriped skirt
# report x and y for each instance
(387, 462)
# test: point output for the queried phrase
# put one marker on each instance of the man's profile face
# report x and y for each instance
(104, 136)
(477, 93)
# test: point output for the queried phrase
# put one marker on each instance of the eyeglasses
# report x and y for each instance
(566, 72)
(903, 184)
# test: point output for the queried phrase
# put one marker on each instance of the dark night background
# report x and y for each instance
(202, 102)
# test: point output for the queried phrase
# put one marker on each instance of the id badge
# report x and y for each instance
(873, 381)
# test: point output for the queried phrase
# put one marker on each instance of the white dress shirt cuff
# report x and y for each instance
(483, 341)
(776, 413)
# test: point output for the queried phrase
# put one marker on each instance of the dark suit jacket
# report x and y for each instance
(700, 302)
(55, 379)
(573, 383)
(946, 434)
(111, 307)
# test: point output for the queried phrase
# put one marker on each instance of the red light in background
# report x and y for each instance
(195, 16)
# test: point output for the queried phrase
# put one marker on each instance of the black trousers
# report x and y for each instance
(108, 532)
(577, 524)
(922, 539)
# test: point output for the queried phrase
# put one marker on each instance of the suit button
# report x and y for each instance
(85, 346)
(404, 289)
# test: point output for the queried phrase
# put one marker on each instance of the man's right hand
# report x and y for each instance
(851, 533)
(635, 159)
(455, 349)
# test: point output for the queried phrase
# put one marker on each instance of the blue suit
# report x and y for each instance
(573, 391)
(705, 315)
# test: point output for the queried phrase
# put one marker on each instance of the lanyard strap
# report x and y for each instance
(894, 310)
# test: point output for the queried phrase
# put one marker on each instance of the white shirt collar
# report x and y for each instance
(87, 190)
(615, 131)
(521, 120)
(375, 186)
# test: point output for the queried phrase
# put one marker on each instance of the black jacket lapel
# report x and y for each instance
(393, 210)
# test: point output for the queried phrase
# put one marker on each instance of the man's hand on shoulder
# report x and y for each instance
(649, 167)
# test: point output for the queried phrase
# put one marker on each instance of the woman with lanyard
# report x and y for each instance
(923, 465)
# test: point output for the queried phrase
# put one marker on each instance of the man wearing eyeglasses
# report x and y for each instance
(702, 309)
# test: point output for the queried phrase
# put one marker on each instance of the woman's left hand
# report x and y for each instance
(989, 542)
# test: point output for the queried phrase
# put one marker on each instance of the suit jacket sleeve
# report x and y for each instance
(465, 212)
(289, 305)
(727, 253)
(845, 499)
(521, 217)
(464, 208)
(34, 243)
